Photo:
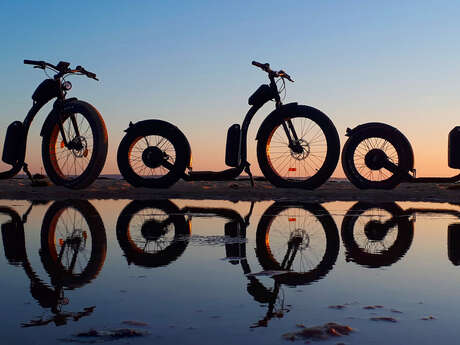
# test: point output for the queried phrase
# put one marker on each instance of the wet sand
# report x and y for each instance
(340, 190)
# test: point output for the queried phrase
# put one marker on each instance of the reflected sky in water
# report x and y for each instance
(220, 272)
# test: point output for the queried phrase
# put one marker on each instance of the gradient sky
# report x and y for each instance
(188, 62)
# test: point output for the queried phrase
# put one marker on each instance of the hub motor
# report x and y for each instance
(375, 159)
(153, 157)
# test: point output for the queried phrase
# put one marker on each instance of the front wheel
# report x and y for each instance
(300, 239)
(305, 161)
(79, 162)
(73, 243)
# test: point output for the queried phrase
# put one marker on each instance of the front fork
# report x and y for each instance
(69, 145)
(291, 135)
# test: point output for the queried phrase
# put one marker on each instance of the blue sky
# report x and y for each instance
(188, 62)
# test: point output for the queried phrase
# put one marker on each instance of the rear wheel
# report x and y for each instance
(377, 157)
(312, 158)
(77, 164)
(376, 235)
(153, 155)
(152, 233)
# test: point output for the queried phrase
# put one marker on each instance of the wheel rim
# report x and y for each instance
(305, 158)
(72, 161)
(148, 155)
(368, 159)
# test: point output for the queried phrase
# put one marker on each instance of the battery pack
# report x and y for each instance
(14, 149)
(233, 148)
(454, 148)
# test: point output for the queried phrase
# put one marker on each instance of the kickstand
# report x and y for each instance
(34, 182)
(247, 170)
(25, 167)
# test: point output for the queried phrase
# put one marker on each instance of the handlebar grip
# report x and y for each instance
(87, 73)
(33, 62)
(264, 66)
(91, 75)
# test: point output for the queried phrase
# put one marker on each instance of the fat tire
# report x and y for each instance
(166, 130)
(58, 273)
(386, 132)
(330, 161)
(390, 255)
(161, 258)
(99, 153)
(268, 261)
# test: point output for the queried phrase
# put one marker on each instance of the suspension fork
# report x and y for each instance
(75, 253)
(61, 127)
(288, 129)
(287, 124)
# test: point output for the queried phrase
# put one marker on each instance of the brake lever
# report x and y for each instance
(283, 74)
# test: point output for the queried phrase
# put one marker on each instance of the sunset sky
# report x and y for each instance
(189, 62)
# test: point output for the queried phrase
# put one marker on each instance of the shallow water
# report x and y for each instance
(208, 272)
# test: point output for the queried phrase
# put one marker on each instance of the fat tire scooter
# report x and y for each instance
(297, 146)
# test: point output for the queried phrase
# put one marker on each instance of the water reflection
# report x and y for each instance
(376, 234)
(73, 249)
(380, 234)
(152, 233)
(299, 240)
(295, 244)
(299, 243)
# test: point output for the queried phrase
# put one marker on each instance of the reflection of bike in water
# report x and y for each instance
(156, 233)
(73, 248)
(376, 234)
(297, 244)
(152, 233)
(380, 234)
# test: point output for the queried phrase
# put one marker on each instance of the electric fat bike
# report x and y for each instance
(74, 144)
(297, 145)
(379, 156)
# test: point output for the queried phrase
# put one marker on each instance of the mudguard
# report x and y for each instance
(52, 117)
(365, 126)
(145, 124)
(280, 112)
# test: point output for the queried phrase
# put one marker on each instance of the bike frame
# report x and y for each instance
(231, 173)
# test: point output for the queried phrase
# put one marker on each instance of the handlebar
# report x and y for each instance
(62, 67)
(266, 67)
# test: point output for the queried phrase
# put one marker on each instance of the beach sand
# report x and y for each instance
(333, 190)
